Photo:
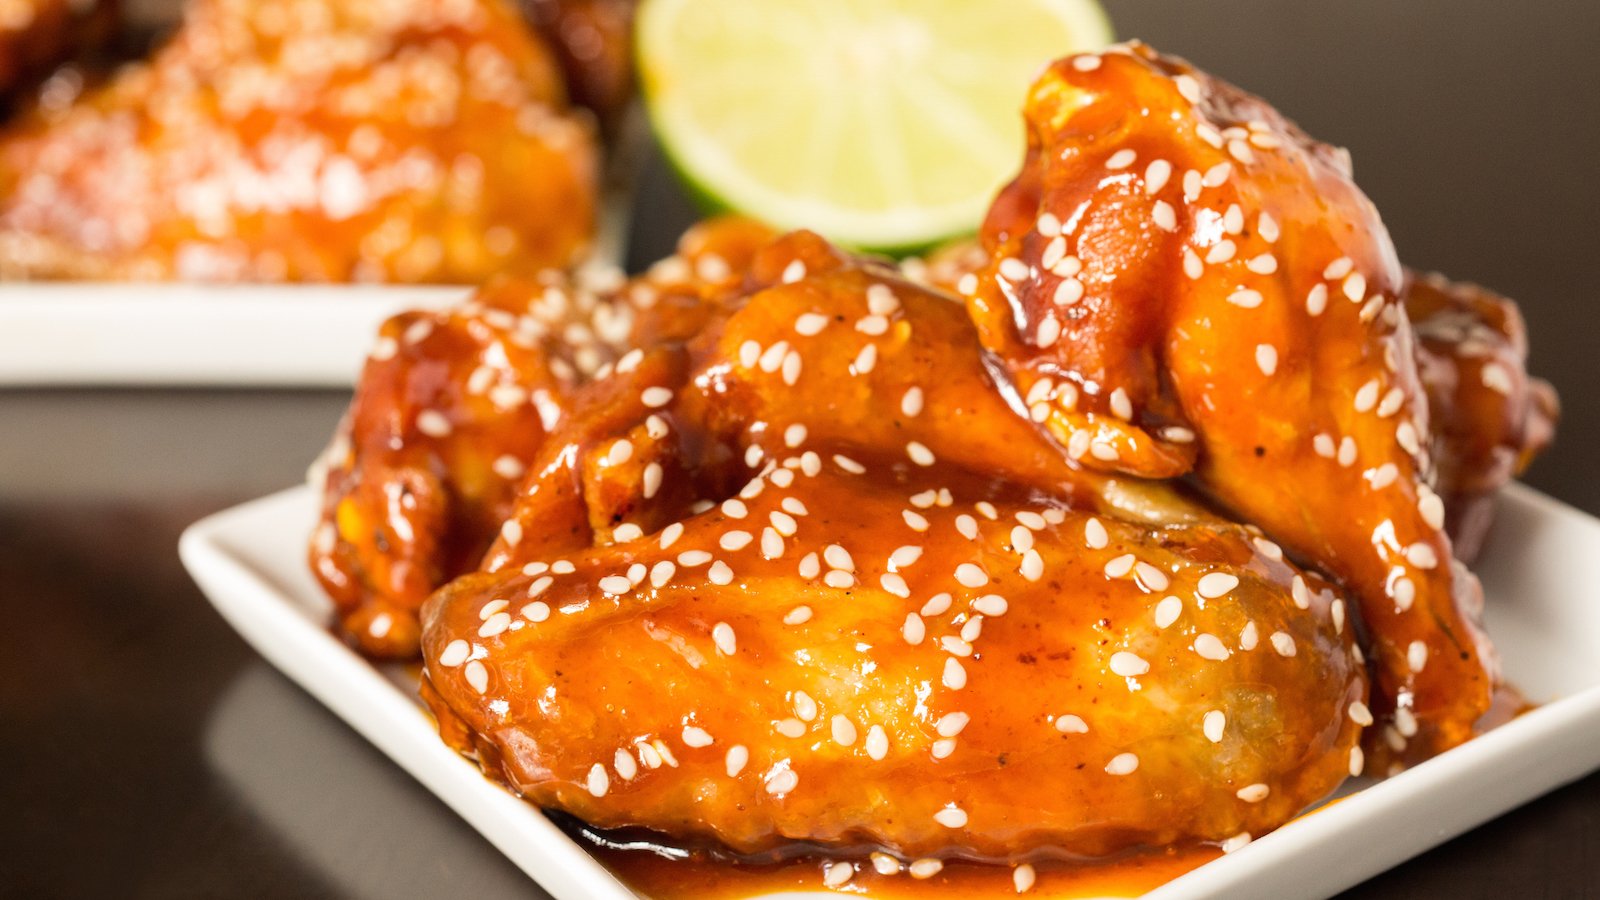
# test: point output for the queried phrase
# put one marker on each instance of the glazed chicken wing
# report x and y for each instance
(808, 577)
(1181, 280)
(408, 140)
(452, 407)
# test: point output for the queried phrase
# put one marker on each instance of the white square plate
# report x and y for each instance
(250, 560)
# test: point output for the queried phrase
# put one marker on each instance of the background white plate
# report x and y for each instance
(250, 561)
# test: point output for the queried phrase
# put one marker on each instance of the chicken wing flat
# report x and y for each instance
(410, 140)
(453, 405)
(1183, 281)
(807, 577)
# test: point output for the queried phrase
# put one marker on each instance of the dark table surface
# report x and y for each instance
(146, 751)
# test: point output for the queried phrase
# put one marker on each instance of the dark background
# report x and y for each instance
(146, 751)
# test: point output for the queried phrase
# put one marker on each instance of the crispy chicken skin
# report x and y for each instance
(1490, 417)
(399, 140)
(844, 554)
(1181, 280)
(453, 405)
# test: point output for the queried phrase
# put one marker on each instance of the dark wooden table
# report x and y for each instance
(145, 751)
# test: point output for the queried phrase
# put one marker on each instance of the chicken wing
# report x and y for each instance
(1186, 282)
(1490, 417)
(452, 407)
(787, 581)
(415, 140)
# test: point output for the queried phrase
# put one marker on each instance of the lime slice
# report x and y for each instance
(883, 124)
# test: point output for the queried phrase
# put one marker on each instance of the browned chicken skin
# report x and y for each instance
(418, 140)
(844, 555)
(1182, 280)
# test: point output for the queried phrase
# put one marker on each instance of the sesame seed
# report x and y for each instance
(881, 301)
(1071, 724)
(951, 816)
(1209, 646)
(782, 781)
(1265, 264)
(1128, 665)
(1163, 215)
(1405, 593)
(536, 612)
(1188, 87)
(955, 646)
(1048, 333)
(914, 520)
(1121, 406)
(1156, 175)
(844, 731)
(838, 874)
(937, 604)
(1068, 292)
(598, 782)
(1359, 714)
(991, 605)
(987, 510)
(1121, 159)
(433, 423)
(1431, 507)
(1267, 548)
(838, 557)
(1391, 403)
(1221, 252)
(722, 636)
(1358, 761)
(1233, 219)
(794, 271)
(1150, 577)
(1245, 298)
(1023, 877)
(810, 324)
(1283, 643)
(1417, 655)
(496, 624)
(455, 653)
(839, 579)
(1013, 269)
(919, 453)
(662, 573)
(904, 556)
(955, 674)
(969, 575)
(1216, 584)
(1067, 267)
(894, 584)
(655, 397)
(509, 467)
(735, 540)
(1336, 612)
(952, 724)
(1236, 842)
(1422, 555)
(790, 728)
(877, 742)
(1086, 62)
(1120, 566)
(620, 452)
(1496, 378)
(1347, 451)
(924, 869)
(1122, 764)
(1248, 636)
(1267, 227)
(694, 736)
(1213, 725)
(1094, 534)
(1355, 287)
(736, 760)
(1217, 175)
(477, 676)
(1167, 611)
(1253, 793)
(1048, 224)
(1317, 299)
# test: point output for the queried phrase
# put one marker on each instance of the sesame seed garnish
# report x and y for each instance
(652, 479)
(1496, 378)
(1094, 534)
(904, 556)
(1265, 264)
(1164, 216)
(881, 301)
(1151, 577)
(1248, 636)
(1317, 299)
(919, 453)
(722, 636)
(598, 782)
(1167, 611)
(1217, 175)
(1237, 842)
(1122, 764)
(477, 676)
(1128, 665)
(620, 452)
(1068, 292)
(1209, 646)
(951, 816)
(838, 557)
(693, 558)
(955, 674)
(1267, 227)
(1233, 220)
(839, 579)
(969, 575)
(937, 604)
(1048, 224)
(1071, 724)
(914, 520)
(1120, 566)
(1358, 761)
(955, 646)
(695, 736)
(924, 869)
(1086, 62)
(1347, 451)
(1338, 269)
(623, 762)
(1417, 655)
(794, 271)
(1245, 298)
(1391, 403)
(735, 540)
(1121, 159)
(1121, 406)
(1405, 593)
(736, 760)
(1422, 555)
(1156, 175)
(1023, 877)
(844, 731)
(1253, 793)
(655, 397)
(1048, 333)
(1188, 87)
(455, 653)
(1283, 643)
(1355, 287)
(781, 781)
(1216, 584)
(894, 584)
(987, 510)
(433, 423)
(509, 467)
(1013, 269)
(1221, 252)
(810, 324)
(1213, 725)
(877, 744)
(1431, 507)
(1359, 714)
(838, 874)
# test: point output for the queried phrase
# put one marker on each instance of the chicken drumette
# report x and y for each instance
(419, 140)
(1180, 280)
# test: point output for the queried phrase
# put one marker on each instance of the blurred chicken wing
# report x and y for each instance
(405, 140)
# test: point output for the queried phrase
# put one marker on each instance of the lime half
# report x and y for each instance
(883, 124)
